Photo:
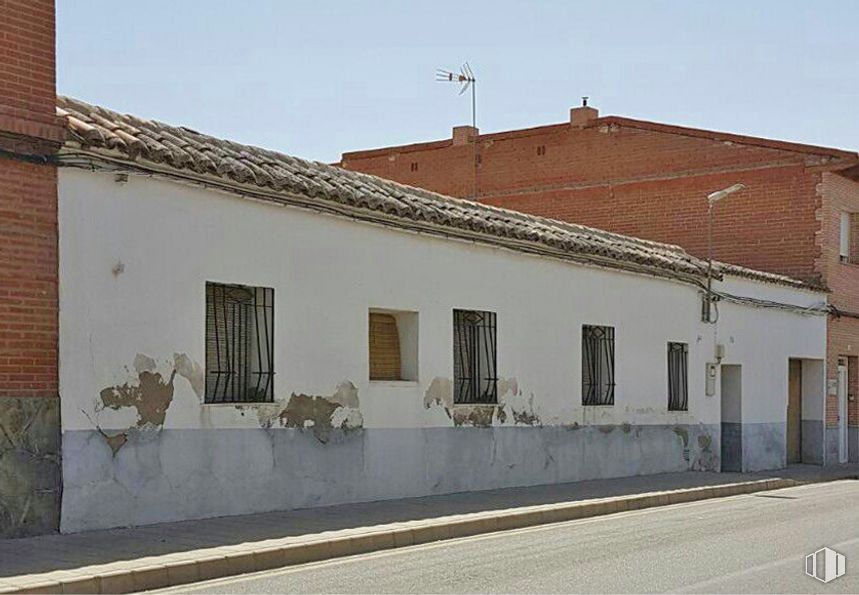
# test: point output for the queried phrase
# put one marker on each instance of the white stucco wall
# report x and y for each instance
(327, 273)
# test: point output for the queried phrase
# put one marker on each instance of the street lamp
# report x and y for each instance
(712, 199)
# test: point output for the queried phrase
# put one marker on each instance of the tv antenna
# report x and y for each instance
(465, 78)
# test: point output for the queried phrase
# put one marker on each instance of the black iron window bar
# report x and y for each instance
(239, 344)
(678, 377)
(597, 365)
(475, 357)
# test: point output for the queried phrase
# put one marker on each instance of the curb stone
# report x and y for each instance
(171, 570)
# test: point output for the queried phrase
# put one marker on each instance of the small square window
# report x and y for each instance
(393, 345)
(597, 365)
(474, 357)
(678, 377)
(239, 344)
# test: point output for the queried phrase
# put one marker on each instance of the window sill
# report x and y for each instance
(402, 383)
(599, 406)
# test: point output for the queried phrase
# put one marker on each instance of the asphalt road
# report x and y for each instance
(751, 543)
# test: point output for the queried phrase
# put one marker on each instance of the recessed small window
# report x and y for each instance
(597, 365)
(541, 150)
(678, 377)
(393, 345)
(414, 166)
(239, 344)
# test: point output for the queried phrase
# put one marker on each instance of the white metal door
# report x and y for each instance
(842, 414)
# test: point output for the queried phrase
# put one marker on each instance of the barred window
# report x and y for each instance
(597, 365)
(678, 377)
(239, 344)
(474, 357)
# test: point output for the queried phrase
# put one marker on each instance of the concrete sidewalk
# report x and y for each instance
(124, 560)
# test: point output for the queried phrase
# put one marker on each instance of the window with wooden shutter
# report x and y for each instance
(384, 347)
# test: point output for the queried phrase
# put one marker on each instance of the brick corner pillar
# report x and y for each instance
(30, 135)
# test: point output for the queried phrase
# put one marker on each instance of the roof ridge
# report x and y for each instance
(748, 139)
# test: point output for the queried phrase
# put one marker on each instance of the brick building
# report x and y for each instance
(30, 133)
(799, 215)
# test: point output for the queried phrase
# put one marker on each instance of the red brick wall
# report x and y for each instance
(638, 182)
(839, 194)
(29, 133)
(28, 279)
(674, 210)
(27, 75)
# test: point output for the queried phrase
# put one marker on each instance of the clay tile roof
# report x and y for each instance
(105, 133)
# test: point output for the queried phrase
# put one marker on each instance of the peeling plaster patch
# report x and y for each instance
(439, 392)
(116, 441)
(318, 414)
(143, 363)
(190, 371)
(310, 412)
(511, 397)
(684, 435)
(346, 395)
(606, 429)
(706, 459)
(479, 416)
(150, 397)
(626, 427)
(507, 385)
(526, 415)
(347, 418)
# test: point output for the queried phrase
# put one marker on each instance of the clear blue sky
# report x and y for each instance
(315, 78)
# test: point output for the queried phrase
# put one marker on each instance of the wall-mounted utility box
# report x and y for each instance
(712, 370)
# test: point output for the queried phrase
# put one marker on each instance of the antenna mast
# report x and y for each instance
(465, 77)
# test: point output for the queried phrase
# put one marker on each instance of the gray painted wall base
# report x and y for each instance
(30, 468)
(171, 475)
(732, 447)
(753, 447)
(853, 443)
(812, 441)
(832, 446)
(764, 446)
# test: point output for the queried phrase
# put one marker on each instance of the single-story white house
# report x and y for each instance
(245, 331)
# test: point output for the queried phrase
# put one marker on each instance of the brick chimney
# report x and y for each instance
(579, 116)
(464, 134)
(30, 134)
